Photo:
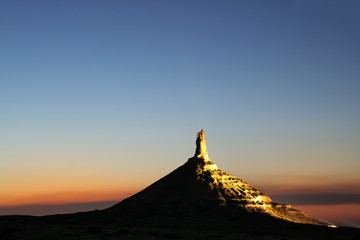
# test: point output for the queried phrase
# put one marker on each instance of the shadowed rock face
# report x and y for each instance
(199, 184)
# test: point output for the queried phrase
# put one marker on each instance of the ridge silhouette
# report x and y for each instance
(198, 185)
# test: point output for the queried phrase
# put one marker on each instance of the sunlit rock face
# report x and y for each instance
(201, 149)
(200, 183)
(231, 190)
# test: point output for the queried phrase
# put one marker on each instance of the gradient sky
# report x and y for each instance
(98, 99)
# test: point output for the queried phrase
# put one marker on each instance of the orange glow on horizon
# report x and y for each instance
(48, 188)
(64, 197)
(348, 214)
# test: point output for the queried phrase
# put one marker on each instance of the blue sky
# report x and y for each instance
(123, 84)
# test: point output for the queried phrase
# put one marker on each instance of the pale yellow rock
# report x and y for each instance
(201, 149)
(232, 190)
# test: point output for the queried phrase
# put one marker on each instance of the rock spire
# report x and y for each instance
(201, 150)
(200, 186)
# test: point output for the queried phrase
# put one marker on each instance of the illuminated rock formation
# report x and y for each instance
(198, 184)
(201, 149)
(231, 190)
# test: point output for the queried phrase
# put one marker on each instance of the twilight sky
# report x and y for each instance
(98, 99)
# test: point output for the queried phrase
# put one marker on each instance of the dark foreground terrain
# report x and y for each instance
(96, 225)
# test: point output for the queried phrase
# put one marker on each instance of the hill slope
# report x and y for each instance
(198, 184)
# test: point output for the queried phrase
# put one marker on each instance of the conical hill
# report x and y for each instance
(199, 186)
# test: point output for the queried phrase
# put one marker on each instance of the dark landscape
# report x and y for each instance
(195, 201)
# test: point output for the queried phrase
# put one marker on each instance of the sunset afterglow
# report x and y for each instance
(98, 100)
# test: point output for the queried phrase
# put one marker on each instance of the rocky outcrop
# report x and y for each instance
(201, 149)
(231, 190)
(200, 183)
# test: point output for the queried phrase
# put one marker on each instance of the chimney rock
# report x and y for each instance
(201, 150)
